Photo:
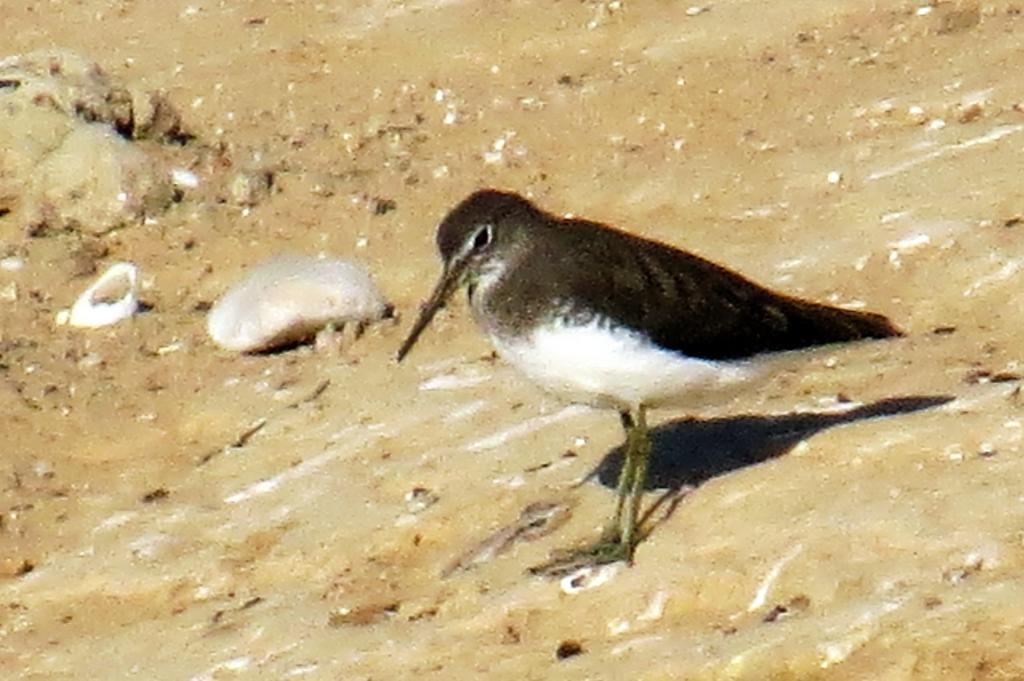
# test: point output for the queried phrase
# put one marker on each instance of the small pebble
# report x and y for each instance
(419, 498)
(568, 648)
(11, 263)
(184, 179)
(916, 115)
(971, 112)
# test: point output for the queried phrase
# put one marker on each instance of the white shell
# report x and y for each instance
(184, 179)
(97, 306)
(289, 298)
(589, 577)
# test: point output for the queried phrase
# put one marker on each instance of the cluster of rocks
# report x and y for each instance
(72, 153)
(84, 153)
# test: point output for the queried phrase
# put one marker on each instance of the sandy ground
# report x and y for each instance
(171, 511)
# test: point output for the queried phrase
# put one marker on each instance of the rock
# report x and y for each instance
(96, 181)
(70, 159)
(288, 299)
(68, 83)
(154, 117)
(249, 187)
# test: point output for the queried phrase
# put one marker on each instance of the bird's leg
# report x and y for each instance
(613, 530)
(640, 447)
(617, 541)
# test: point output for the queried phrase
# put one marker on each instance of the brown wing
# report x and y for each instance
(693, 306)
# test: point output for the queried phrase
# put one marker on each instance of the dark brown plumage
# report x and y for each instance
(680, 301)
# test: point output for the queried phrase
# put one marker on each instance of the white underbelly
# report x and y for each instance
(618, 368)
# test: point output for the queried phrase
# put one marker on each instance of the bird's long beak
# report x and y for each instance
(446, 285)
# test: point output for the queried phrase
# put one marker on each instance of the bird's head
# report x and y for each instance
(472, 238)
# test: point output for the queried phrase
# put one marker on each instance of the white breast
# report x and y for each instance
(618, 368)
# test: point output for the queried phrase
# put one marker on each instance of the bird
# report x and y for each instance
(614, 320)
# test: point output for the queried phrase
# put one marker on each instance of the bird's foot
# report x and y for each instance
(566, 561)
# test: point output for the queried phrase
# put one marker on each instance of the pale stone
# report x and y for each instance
(288, 298)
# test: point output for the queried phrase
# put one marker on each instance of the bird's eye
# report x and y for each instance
(483, 237)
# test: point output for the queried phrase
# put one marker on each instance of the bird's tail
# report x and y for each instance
(827, 324)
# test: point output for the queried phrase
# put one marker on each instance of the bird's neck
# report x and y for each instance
(484, 281)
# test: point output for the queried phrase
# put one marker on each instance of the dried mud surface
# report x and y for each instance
(170, 511)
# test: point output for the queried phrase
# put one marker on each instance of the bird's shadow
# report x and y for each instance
(687, 452)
